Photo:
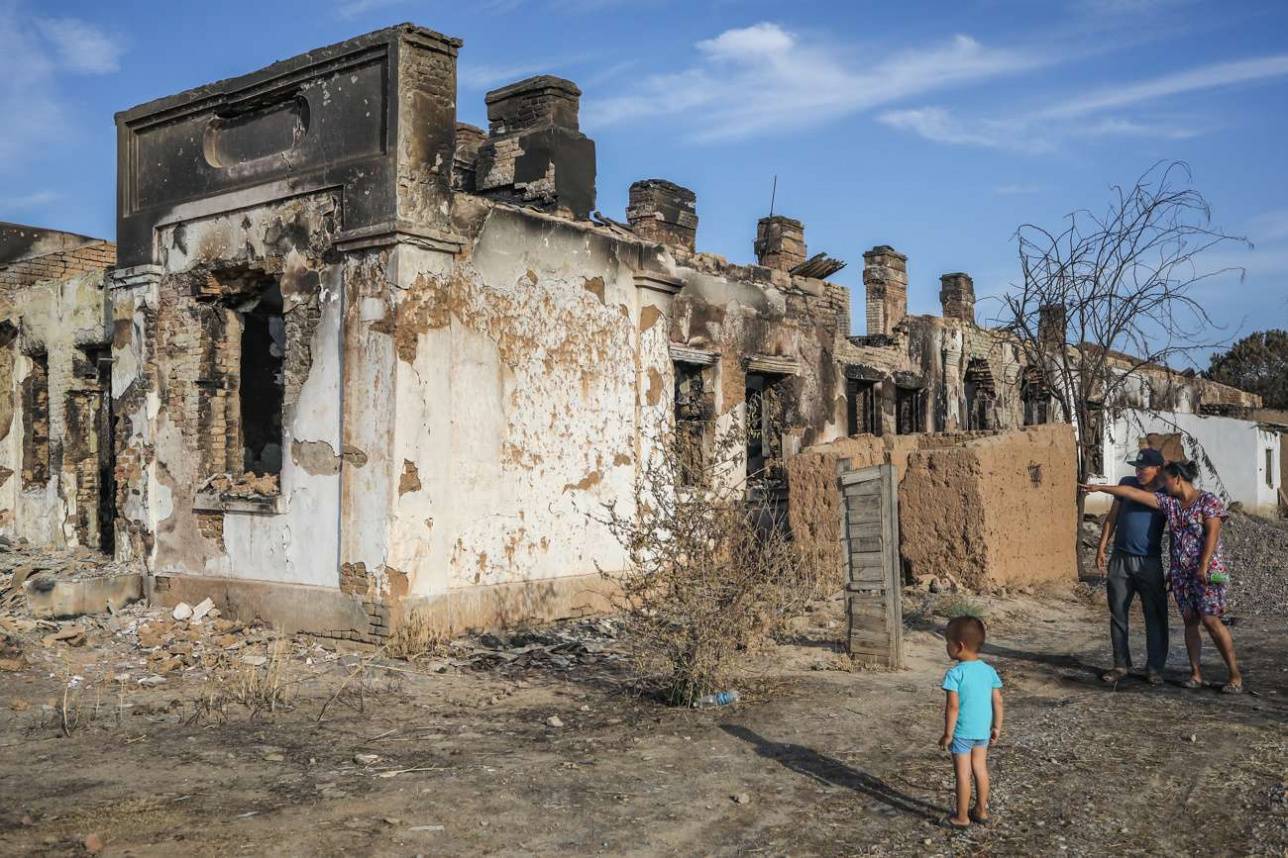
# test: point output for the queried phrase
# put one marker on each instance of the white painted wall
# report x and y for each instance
(518, 408)
(1231, 452)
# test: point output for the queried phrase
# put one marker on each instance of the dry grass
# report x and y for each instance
(256, 688)
(416, 638)
(953, 605)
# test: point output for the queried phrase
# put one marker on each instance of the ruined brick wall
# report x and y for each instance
(982, 510)
(744, 312)
(92, 259)
(51, 396)
(187, 503)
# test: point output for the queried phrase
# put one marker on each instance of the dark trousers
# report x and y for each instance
(1130, 575)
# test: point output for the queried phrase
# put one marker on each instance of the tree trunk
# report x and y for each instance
(1081, 503)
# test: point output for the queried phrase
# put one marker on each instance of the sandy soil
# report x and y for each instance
(813, 761)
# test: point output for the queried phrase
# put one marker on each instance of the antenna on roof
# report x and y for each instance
(772, 195)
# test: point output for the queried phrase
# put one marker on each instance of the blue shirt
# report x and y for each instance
(1139, 530)
(974, 682)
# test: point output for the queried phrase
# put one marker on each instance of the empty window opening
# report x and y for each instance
(766, 420)
(980, 396)
(88, 446)
(262, 381)
(693, 409)
(862, 416)
(1036, 398)
(908, 409)
(35, 423)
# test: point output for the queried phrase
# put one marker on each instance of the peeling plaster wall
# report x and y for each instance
(516, 403)
(57, 318)
(159, 382)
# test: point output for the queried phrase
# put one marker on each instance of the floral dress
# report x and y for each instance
(1185, 526)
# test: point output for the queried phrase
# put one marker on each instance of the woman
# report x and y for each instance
(1194, 519)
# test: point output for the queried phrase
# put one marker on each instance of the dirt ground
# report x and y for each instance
(540, 749)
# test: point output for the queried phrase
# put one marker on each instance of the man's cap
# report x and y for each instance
(1148, 458)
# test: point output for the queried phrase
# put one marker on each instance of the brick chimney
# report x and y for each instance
(535, 154)
(468, 140)
(1053, 325)
(664, 212)
(780, 242)
(957, 296)
(885, 277)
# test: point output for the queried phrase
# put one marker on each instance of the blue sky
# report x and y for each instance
(935, 127)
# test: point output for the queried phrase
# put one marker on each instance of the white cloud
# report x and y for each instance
(28, 100)
(486, 77)
(764, 78)
(1018, 190)
(357, 8)
(347, 9)
(81, 47)
(1126, 7)
(24, 202)
(1269, 226)
(31, 65)
(1191, 80)
(1082, 116)
(941, 126)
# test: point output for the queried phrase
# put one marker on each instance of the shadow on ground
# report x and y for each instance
(827, 770)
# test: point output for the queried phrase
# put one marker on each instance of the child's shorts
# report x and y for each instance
(964, 746)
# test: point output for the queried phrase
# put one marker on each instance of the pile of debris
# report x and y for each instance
(561, 647)
(23, 567)
(1257, 553)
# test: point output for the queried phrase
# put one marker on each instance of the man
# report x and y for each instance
(1136, 568)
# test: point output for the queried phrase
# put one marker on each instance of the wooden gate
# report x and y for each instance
(870, 552)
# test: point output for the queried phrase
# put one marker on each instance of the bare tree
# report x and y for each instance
(1110, 294)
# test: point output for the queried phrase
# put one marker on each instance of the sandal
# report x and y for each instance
(986, 821)
(1192, 683)
(1232, 688)
(947, 822)
(1154, 678)
(1113, 677)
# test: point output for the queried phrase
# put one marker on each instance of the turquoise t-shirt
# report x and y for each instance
(974, 682)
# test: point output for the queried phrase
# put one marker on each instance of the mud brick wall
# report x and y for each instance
(982, 510)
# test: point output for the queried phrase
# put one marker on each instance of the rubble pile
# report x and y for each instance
(1257, 554)
(565, 646)
(20, 562)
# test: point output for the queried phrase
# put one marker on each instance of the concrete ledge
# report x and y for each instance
(74, 597)
(290, 607)
(507, 605)
(328, 612)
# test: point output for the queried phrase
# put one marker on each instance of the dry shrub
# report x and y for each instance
(415, 637)
(955, 605)
(711, 574)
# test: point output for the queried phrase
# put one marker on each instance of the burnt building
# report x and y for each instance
(350, 357)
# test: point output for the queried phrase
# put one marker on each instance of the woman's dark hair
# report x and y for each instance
(1188, 471)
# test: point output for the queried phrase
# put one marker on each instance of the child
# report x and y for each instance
(972, 716)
